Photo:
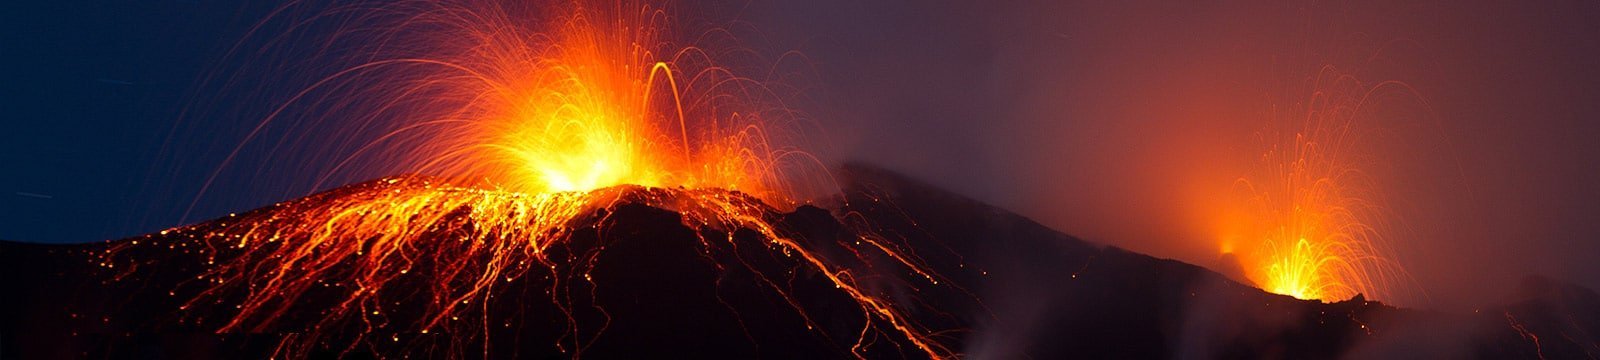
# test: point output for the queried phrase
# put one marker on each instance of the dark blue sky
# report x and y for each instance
(91, 91)
(1108, 120)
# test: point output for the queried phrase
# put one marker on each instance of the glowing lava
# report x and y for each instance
(590, 101)
(1316, 224)
(528, 128)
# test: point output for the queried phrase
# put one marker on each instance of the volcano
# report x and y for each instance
(997, 285)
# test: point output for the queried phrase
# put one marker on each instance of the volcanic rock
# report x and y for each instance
(1002, 286)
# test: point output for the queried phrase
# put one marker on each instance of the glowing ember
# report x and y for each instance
(552, 118)
(1316, 227)
(589, 101)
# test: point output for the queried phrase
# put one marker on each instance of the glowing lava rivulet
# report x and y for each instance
(524, 123)
(1317, 226)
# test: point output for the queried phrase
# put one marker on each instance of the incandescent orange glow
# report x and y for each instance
(1316, 222)
(523, 128)
(594, 102)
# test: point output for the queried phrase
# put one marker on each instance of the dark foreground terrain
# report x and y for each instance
(1003, 287)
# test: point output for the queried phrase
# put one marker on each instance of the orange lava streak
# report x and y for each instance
(1318, 226)
(586, 107)
(361, 245)
(530, 125)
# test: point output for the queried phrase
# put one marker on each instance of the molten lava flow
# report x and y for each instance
(467, 245)
(1316, 227)
(530, 128)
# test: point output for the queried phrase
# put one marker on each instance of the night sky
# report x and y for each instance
(92, 92)
(1120, 122)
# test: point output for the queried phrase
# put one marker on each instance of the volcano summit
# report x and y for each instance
(894, 269)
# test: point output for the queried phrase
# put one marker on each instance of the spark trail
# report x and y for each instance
(523, 124)
(1318, 225)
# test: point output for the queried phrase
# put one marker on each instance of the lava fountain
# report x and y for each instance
(1317, 227)
(520, 123)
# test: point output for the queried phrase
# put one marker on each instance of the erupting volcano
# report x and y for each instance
(1316, 222)
(508, 179)
(529, 124)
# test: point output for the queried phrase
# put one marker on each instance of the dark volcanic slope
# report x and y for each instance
(656, 289)
(1007, 288)
(1050, 295)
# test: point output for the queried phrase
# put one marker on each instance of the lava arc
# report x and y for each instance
(521, 124)
(1317, 224)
